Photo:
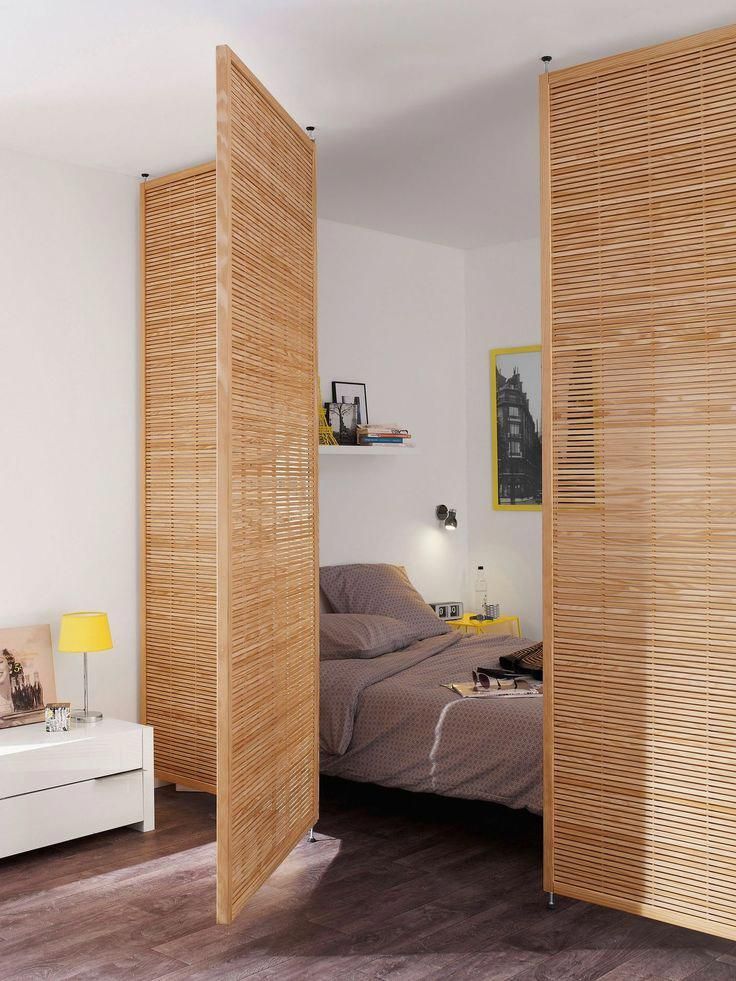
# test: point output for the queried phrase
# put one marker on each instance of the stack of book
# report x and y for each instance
(391, 435)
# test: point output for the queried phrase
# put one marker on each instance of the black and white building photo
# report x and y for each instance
(518, 463)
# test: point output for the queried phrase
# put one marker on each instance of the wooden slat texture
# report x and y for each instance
(640, 506)
(178, 575)
(267, 471)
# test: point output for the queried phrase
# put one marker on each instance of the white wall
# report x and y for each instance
(68, 426)
(503, 310)
(387, 306)
(391, 314)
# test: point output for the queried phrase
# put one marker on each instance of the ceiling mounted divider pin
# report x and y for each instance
(546, 59)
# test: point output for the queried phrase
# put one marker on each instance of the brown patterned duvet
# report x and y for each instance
(388, 721)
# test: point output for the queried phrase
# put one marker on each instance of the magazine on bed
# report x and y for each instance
(524, 688)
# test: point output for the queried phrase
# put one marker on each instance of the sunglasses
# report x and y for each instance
(487, 681)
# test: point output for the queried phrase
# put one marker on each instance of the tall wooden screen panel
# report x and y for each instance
(267, 470)
(639, 205)
(178, 474)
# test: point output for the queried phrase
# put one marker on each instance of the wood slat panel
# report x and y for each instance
(639, 239)
(267, 472)
(178, 541)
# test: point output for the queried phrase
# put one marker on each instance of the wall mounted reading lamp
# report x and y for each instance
(447, 517)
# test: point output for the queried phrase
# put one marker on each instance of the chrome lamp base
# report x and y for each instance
(86, 715)
(80, 715)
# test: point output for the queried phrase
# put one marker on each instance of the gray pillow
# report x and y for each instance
(346, 635)
(380, 589)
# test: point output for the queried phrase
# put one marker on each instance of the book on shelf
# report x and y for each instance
(388, 435)
(384, 430)
(368, 440)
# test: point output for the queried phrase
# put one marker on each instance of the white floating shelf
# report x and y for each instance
(378, 449)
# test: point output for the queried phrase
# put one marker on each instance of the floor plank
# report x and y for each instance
(398, 887)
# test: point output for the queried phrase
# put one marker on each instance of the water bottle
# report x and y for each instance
(481, 590)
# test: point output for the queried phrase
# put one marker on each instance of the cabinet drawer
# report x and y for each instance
(32, 759)
(50, 816)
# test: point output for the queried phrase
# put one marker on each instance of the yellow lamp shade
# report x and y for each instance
(84, 633)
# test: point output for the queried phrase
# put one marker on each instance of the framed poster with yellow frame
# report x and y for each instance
(516, 425)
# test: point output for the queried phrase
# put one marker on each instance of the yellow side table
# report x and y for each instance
(510, 626)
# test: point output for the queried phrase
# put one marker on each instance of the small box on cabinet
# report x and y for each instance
(57, 716)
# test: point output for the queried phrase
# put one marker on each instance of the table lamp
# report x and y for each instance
(85, 633)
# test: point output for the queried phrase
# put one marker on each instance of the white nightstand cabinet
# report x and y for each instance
(55, 786)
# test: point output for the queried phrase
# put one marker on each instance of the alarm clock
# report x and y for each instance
(448, 611)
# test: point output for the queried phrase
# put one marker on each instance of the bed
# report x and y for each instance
(387, 720)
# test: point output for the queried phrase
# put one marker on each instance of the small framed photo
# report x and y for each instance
(343, 420)
(26, 674)
(353, 392)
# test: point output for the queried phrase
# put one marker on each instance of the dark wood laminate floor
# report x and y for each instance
(398, 886)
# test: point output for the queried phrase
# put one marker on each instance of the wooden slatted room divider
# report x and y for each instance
(639, 270)
(229, 578)
(267, 493)
(178, 568)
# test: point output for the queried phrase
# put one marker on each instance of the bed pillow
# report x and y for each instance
(346, 635)
(380, 589)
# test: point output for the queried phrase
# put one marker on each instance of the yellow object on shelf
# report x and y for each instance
(326, 435)
(508, 626)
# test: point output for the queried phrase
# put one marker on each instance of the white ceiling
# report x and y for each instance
(425, 109)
